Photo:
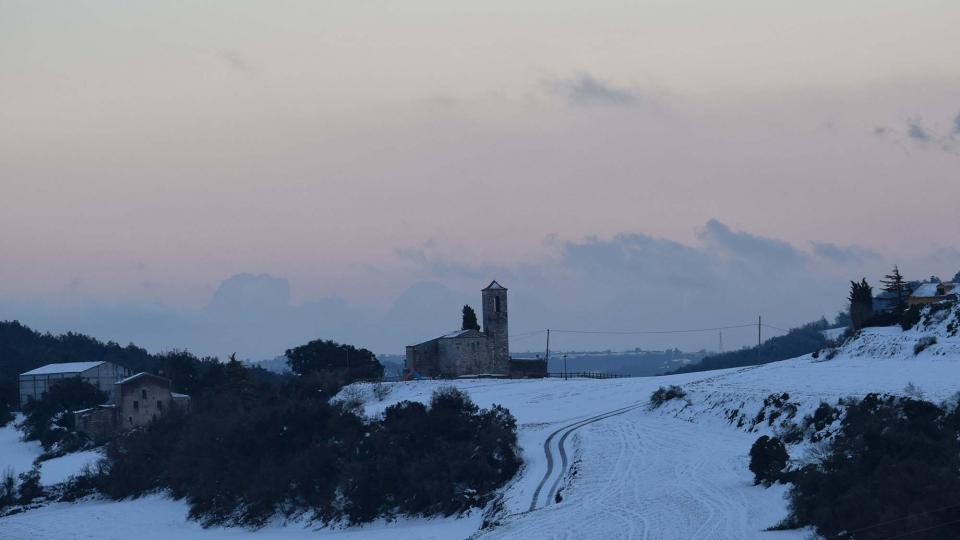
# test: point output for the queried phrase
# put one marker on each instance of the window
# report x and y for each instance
(136, 405)
(143, 393)
(496, 304)
(159, 405)
(130, 419)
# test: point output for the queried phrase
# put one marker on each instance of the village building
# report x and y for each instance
(473, 352)
(34, 383)
(140, 399)
(931, 293)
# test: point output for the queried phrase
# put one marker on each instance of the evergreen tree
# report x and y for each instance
(768, 456)
(861, 303)
(894, 284)
(469, 319)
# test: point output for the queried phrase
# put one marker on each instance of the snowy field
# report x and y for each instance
(678, 472)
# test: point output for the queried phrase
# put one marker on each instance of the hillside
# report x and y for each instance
(599, 462)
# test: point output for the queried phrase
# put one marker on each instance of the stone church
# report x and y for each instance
(468, 352)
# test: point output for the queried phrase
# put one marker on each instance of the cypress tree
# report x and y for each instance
(861, 303)
(469, 319)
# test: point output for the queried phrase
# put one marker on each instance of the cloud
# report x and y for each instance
(585, 90)
(441, 267)
(748, 246)
(844, 254)
(917, 132)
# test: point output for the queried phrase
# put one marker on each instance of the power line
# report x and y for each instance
(641, 332)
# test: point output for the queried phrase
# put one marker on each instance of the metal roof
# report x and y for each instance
(494, 286)
(141, 375)
(66, 367)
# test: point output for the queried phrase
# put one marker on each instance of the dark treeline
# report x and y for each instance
(23, 349)
(797, 342)
(247, 453)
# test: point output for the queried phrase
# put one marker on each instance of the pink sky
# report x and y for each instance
(148, 153)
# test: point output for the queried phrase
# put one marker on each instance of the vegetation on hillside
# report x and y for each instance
(892, 471)
(247, 453)
(797, 342)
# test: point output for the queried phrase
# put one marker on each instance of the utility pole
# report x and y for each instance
(721, 341)
(548, 349)
(759, 324)
(564, 367)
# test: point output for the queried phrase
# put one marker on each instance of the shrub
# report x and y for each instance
(911, 316)
(6, 413)
(50, 419)
(381, 391)
(768, 457)
(241, 459)
(662, 395)
(8, 488)
(30, 487)
(893, 470)
(923, 343)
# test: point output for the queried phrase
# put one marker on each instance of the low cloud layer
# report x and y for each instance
(628, 282)
(584, 89)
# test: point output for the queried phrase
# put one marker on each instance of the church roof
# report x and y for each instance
(494, 286)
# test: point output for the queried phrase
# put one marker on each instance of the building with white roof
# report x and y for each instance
(103, 375)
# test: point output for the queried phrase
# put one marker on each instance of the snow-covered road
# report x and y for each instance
(644, 475)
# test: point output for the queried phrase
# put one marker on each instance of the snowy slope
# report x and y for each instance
(15, 453)
(676, 472)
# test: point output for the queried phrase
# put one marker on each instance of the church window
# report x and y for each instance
(496, 304)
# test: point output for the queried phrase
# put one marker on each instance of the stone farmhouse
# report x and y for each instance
(474, 352)
(103, 375)
(141, 399)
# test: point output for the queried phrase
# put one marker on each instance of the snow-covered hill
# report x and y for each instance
(599, 462)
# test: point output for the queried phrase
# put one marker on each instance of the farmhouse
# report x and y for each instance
(474, 352)
(931, 293)
(140, 399)
(103, 375)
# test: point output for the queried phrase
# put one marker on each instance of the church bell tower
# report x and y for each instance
(495, 325)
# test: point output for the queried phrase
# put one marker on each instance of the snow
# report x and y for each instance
(676, 472)
(159, 518)
(57, 470)
(66, 367)
(926, 290)
(14, 452)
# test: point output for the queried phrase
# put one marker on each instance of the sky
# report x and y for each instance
(244, 176)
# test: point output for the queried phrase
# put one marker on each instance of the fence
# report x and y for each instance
(586, 375)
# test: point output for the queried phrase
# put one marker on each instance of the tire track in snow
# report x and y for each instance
(561, 450)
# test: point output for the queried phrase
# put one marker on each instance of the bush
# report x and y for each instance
(30, 487)
(8, 488)
(892, 470)
(768, 457)
(241, 459)
(50, 419)
(662, 395)
(923, 343)
(6, 413)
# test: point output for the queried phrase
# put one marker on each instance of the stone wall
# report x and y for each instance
(465, 356)
(143, 400)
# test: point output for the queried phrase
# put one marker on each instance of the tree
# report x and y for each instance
(768, 456)
(861, 303)
(469, 319)
(894, 284)
(49, 418)
(327, 356)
